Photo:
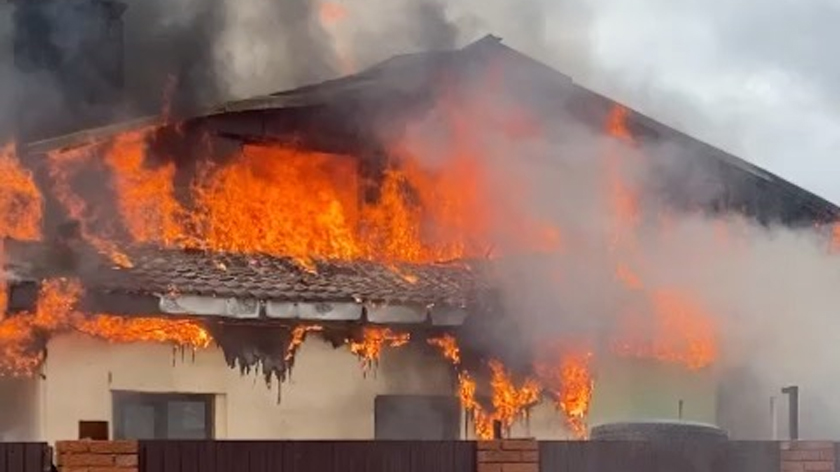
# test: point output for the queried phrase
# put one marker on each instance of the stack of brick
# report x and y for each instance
(808, 456)
(96, 456)
(508, 455)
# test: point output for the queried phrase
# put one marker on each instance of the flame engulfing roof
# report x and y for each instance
(157, 271)
(340, 108)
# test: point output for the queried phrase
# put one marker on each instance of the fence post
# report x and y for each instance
(808, 456)
(116, 456)
(508, 455)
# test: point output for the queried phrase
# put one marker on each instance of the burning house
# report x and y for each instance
(305, 240)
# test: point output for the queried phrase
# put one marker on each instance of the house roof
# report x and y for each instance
(174, 272)
(745, 187)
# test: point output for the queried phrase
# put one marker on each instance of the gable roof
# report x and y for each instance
(746, 188)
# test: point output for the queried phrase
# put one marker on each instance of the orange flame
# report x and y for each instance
(617, 124)
(330, 15)
(299, 333)
(482, 421)
(185, 333)
(570, 381)
(510, 402)
(145, 196)
(681, 332)
(21, 208)
(63, 166)
(21, 204)
(19, 354)
(331, 12)
(448, 346)
(835, 237)
(374, 339)
(678, 329)
(56, 312)
(624, 200)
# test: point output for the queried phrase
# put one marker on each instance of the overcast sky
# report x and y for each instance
(756, 77)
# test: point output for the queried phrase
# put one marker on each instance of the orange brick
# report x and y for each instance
(114, 447)
(126, 460)
(499, 456)
(489, 468)
(823, 466)
(807, 445)
(489, 445)
(796, 455)
(112, 469)
(530, 456)
(520, 467)
(87, 460)
(520, 444)
(793, 467)
(73, 469)
(72, 446)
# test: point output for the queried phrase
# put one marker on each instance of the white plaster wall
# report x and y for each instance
(327, 397)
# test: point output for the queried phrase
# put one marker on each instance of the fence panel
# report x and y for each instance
(307, 456)
(25, 457)
(639, 456)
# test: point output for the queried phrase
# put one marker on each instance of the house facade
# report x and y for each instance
(145, 390)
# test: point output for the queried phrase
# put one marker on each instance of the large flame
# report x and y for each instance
(673, 327)
(21, 204)
(568, 378)
(283, 200)
(21, 208)
(56, 312)
(145, 196)
(509, 401)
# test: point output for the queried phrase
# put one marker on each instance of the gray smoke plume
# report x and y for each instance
(767, 292)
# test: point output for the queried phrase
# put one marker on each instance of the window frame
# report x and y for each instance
(160, 403)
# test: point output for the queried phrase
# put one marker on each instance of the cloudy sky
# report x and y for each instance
(755, 77)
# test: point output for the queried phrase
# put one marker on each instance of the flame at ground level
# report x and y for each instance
(568, 378)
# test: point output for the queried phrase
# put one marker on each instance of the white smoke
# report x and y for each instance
(768, 292)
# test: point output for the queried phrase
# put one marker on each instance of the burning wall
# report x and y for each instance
(309, 209)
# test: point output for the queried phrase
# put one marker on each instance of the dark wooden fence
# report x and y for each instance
(629, 456)
(25, 457)
(307, 456)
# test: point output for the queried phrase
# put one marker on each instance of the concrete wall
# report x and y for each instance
(327, 397)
